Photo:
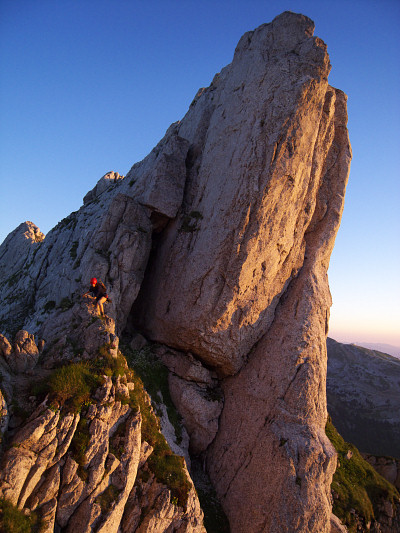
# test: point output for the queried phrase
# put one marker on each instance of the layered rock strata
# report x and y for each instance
(217, 245)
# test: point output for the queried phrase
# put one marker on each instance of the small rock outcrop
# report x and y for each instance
(387, 467)
(216, 247)
(23, 355)
(80, 461)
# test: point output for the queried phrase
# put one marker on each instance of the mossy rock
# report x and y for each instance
(13, 520)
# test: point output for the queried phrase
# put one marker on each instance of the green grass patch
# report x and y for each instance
(111, 366)
(12, 520)
(70, 386)
(12, 280)
(356, 483)
(107, 497)
(67, 221)
(73, 250)
(155, 378)
(65, 304)
(79, 445)
(167, 467)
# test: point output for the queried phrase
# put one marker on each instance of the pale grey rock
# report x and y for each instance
(159, 513)
(124, 476)
(145, 451)
(46, 489)
(5, 347)
(138, 342)
(103, 393)
(18, 253)
(158, 181)
(185, 366)
(260, 138)
(4, 415)
(200, 413)
(19, 246)
(245, 195)
(240, 276)
(23, 355)
(32, 450)
(169, 432)
(48, 514)
(336, 525)
(109, 240)
(104, 184)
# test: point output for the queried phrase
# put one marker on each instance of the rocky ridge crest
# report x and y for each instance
(216, 246)
(80, 460)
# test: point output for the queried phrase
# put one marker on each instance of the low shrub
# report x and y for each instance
(167, 467)
(73, 250)
(356, 484)
(12, 520)
(65, 304)
(155, 378)
(70, 385)
(48, 306)
(116, 366)
(190, 221)
(107, 497)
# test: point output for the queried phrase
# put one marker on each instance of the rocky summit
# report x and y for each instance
(214, 250)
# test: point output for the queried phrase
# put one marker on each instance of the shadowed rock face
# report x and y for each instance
(244, 197)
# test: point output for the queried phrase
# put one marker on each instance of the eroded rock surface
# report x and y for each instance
(76, 466)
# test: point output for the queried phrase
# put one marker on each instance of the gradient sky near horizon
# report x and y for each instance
(90, 86)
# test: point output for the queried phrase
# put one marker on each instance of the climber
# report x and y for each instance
(99, 291)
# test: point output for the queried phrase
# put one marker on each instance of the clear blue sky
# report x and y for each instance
(90, 86)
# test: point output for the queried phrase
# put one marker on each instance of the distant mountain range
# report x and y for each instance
(381, 347)
(363, 394)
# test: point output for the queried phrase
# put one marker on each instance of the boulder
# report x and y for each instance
(199, 410)
(23, 355)
(105, 183)
(185, 366)
(336, 525)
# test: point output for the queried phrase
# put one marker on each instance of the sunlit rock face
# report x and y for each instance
(216, 246)
(262, 137)
(239, 278)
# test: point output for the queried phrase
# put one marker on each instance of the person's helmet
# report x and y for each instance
(93, 281)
